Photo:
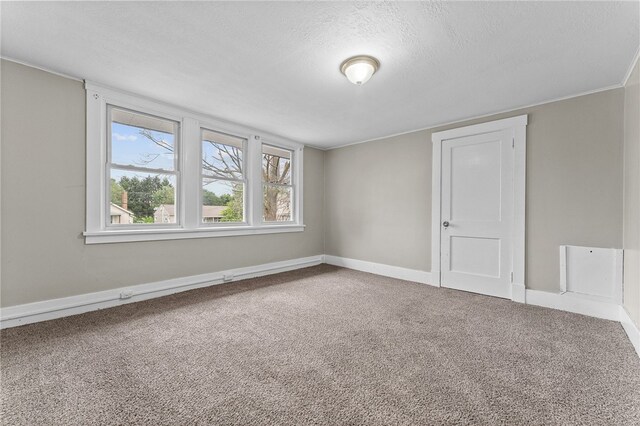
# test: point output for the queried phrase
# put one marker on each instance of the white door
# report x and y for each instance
(477, 213)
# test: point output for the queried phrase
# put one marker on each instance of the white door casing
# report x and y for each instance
(478, 208)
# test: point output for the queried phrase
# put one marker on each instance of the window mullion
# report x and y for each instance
(254, 179)
(191, 173)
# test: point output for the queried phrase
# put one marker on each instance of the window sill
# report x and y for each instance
(131, 235)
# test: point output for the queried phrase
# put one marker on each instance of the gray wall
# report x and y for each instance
(378, 194)
(632, 195)
(43, 206)
(378, 201)
(376, 197)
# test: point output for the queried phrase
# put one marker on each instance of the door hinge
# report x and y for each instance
(513, 142)
(512, 277)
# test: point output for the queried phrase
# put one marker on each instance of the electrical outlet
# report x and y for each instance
(125, 294)
(227, 277)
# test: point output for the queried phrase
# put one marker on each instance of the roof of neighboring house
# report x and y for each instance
(212, 211)
(121, 209)
(207, 211)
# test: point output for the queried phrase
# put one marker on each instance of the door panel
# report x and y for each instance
(477, 213)
(475, 182)
(477, 256)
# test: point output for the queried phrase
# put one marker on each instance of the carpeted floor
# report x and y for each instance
(321, 346)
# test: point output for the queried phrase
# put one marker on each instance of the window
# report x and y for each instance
(222, 178)
(277, 184)
(142, 167)
(157, 172)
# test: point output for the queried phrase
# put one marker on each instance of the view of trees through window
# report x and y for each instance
(223, 174)
(143, 170)
(276, 178)
(141, 195)
(143, 175)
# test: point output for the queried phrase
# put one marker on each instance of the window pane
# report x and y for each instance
(221, 155)
(276, 165)
(277, 203)
(142, 198)
(222, 201)
(142, 140)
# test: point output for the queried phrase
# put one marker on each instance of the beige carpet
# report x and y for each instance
(321, 345)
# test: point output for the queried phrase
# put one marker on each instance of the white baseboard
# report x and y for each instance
(630, 328)
(576, 303)
(380, 269)
(57, 308)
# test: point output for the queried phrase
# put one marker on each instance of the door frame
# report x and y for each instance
(518, 125)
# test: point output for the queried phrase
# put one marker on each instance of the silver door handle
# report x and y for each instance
(445, 224)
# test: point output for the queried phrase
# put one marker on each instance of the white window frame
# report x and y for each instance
(189, 182)
(292, 184)
(245, 149)
(177, 172)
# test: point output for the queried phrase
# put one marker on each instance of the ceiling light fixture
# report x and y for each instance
(359, 69)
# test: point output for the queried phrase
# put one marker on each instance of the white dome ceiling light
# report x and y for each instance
(359, 69)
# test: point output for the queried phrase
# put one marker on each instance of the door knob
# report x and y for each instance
(445, 224)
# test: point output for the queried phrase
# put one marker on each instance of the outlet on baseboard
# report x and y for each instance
(227, 277)
(125, 294)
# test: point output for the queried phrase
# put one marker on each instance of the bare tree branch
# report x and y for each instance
(226, 162)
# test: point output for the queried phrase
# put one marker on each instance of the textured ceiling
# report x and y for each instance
(274, 66)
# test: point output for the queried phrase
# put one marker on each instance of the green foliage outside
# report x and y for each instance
(211, 199)
(116, 192)
(143, 195)
(234, 210)
(164, 195)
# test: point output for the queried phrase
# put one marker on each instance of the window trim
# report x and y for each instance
(188, 173)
